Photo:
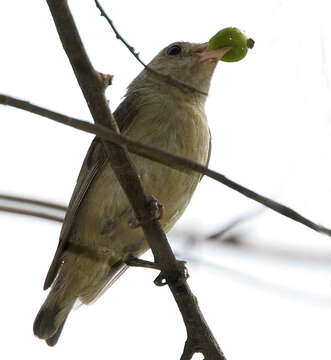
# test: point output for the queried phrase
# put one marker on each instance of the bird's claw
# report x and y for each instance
(160, 280)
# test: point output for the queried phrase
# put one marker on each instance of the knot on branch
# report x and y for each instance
(105, 79)
(155, 211)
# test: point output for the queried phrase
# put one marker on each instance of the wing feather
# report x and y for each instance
(94, 162)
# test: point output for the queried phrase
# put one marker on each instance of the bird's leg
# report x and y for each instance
(155, 209)
(160, 280)
(134, 261)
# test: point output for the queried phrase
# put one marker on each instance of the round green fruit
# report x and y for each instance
(231, 37)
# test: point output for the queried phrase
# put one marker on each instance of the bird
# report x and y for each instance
(96, 237)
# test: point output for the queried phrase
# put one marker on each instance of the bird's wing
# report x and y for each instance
(116, 271)
(93, 164)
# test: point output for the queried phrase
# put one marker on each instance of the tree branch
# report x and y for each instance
(162, 157)
(37, 214)
(167, 78)
(124, 169)
(45, 205)
(30, 201)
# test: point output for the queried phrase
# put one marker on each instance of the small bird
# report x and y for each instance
(96, 238)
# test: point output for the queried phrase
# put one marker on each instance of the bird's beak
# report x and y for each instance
(215, 55)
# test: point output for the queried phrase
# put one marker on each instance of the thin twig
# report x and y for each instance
(169, 79)
(251, 280)
(31, 213)
(163, 157)
(233, 223)
(118, 35)
(33, 202)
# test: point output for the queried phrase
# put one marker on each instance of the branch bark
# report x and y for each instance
(93, 90)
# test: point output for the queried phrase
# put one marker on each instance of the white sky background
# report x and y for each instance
(270, 119)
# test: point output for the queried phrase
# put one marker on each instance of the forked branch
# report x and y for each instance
(124, 169)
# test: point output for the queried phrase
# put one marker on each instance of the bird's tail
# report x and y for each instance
(51, 317)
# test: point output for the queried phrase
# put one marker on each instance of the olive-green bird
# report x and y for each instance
(96, 238)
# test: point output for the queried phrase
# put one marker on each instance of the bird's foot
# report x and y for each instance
(155, 209)
(160, 280)
(183, 275)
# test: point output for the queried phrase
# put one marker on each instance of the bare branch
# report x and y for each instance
(15, 207)
(164, 158)
(127, 176)
(233, 223)
(118, 35)
(31, 213)
(48, 204)
(169, 79)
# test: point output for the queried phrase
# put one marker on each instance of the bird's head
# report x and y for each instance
(192, 64)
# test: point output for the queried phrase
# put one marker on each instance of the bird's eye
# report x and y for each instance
(174, 50)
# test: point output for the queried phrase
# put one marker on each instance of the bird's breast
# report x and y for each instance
(180, 129)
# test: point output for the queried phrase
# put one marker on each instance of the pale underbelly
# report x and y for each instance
(105, 212)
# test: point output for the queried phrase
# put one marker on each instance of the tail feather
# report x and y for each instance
(51, 341)
(86, 282)
(50, 319)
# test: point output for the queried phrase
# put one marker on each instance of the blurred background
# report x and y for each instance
(264, 284)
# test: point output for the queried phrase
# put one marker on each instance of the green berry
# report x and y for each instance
(231, 37)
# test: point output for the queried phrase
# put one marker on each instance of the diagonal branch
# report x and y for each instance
(30, 201)
(169, 79)
(19, 211)
(16, 202)
(164, 158)
(124, 169)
